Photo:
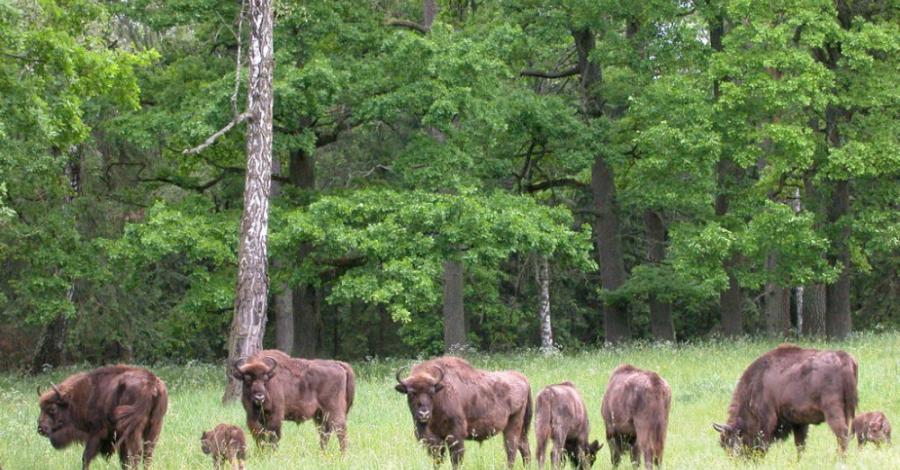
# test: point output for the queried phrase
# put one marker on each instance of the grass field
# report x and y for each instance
(702, 378)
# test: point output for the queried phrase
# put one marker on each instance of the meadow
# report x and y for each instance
(702, 377)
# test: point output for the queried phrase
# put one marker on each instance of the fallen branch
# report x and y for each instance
(211, 139)
(406, 24)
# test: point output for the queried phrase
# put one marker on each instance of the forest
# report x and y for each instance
(488, 175)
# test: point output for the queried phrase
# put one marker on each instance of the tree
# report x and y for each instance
(252, 291)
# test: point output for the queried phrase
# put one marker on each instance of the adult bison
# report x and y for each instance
(560, 415)
(110, 409)
(635, 410)
(451, 401)
(784, 391)
(277, 387)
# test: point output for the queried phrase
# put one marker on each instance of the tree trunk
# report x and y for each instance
(542, 276)
(454, 315)
(284, 302)
(429, 12)
(50, 349)
(307, 321)
(814, 308)
(251, 297)
(777, 299)
(731, 299)
(838, 322)
(661, 324)
(616, 322)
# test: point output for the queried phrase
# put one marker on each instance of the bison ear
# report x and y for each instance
(438, 387)
(400, 387)
(236, 369)
(721, 428)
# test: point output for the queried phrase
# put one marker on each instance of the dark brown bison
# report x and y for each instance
(872, 427)
(784, 391)
(277, 387)
(225, 443)
(635, 410)
(560, 415)
(110, 409)
(451, 401)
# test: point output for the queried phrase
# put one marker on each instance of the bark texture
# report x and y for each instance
(777, 303)
(661, 325)
(542, 276)
(838, 322)
(284, 302)
(249, 323)
(814, 307)
(454, 315)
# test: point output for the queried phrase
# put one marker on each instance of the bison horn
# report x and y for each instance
(722, 427)
(272, 363)
(39, 390)
(56, 389)
(441, 379)
(397, 375)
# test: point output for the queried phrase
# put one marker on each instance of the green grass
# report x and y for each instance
(702, 378)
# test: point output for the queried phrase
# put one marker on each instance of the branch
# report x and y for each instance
(209, 141)
(554, 184)
(406, 24)
(558, 74)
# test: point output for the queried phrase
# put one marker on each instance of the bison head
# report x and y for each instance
(255, 378)
(738, 441)
(55, 421)
(583, 455)
(206, 442)
(877, 430)
(420, 390)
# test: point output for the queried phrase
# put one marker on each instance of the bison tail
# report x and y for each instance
(526, 420)
(851, 396)
(351, 384)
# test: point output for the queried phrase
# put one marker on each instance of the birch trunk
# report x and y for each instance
(542, 275)
(250, 302)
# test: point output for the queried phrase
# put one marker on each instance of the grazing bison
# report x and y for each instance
(872, 427)
(451, 401)
(785, 390)
(225, 443)
(560, 415)
(277, 387)
(110, 409)
(635, 410)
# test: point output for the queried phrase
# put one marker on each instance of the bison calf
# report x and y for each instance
(560, 415)
(278, 388)
(110, 409)
(636, 413)
(872, 427)
(225, 443)
(451, 402)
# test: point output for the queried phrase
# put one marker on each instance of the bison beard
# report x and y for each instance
(635, 410)
(561, 416)
(278, 388)
(444, 395)
(784, 391)
(110, 409)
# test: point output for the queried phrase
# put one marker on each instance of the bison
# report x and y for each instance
(560, 415)
(225, 442)
(635, 410)
(784, 391)
(451, 401)
(872, 427)
(111, 409)
(277, 387)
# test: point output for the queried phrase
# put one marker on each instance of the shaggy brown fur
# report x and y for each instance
(872, 427)
(278, 388)
(225, 443)
(635, 410)
(560, 415)
(110, 409)
(784, 391)
(451, 402)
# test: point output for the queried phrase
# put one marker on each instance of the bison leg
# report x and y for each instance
(635, 454)
(615, 448)
(130, 451)
(323, 427)
(457, 449)
(838, 424)
(339, 426)
(800, 433)
(90, 451)
(543, 436)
